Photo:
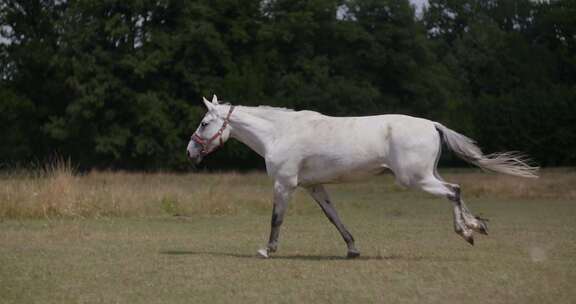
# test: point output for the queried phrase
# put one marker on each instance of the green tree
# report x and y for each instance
(31, 81)
(510, 72)
(118, 83)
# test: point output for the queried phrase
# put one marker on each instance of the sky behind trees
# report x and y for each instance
(419, 4)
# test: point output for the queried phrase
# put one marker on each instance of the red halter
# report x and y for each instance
(206, 143)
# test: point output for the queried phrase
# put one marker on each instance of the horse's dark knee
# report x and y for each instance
(457, 190)
(276, 220)
(456, 194)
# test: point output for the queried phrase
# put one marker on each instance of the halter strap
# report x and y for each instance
(205, 143)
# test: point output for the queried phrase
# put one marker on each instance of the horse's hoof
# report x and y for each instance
(482, 226)
(483, 229)
(353, 254)
(263, 253)
(469, 239)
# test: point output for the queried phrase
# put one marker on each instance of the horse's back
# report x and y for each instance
(400, 129)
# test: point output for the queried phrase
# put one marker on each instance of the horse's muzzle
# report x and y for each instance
(194, 159)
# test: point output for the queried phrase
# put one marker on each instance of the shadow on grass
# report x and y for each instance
(303, 257)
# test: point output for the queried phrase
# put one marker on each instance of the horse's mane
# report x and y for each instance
(267, 108)
(270, 110)
(275, 108)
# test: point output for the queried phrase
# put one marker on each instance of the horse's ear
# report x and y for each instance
(208, 104)
(215, 99)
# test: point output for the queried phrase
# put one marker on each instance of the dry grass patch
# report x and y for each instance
(58, 191)
(552, 184)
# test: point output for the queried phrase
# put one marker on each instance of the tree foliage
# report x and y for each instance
(117, 84)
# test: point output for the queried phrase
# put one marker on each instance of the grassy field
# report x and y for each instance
(165, 238)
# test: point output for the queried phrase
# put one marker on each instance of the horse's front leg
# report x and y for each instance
(320, 195)
(282, 194)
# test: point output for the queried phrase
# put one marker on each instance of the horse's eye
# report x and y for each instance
(203, 124)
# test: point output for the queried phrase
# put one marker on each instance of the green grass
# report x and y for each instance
(409, 253)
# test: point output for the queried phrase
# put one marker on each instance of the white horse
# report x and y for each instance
(308, 149)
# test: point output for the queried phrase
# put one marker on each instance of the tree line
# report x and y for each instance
(118, 83)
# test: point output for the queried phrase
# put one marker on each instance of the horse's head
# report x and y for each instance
(212, 132)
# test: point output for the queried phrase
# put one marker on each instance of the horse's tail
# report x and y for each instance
(512, 163)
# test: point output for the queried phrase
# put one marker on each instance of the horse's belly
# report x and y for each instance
(332, 173)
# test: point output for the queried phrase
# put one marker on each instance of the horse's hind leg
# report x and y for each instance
(464, 222)
(475, 223)
(321, 197)
(415, 166)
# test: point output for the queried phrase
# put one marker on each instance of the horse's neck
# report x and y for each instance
(252, 128)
